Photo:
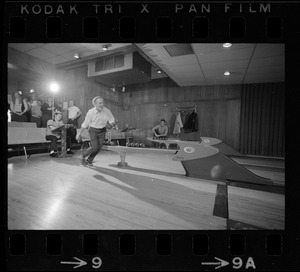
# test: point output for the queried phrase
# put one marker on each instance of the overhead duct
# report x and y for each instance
(117, 69)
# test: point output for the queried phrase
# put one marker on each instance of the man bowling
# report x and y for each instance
(96, 121)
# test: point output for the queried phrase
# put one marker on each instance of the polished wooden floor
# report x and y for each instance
(152, 193)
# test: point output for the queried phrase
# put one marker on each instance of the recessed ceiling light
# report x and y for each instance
(105, 46)
(227, 73)
(76, 56)
(31, 90)
(226, 45)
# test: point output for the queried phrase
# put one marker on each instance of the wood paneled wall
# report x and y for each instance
(82, 90)
(12, 85)
(31, 73)
(218, 109)
(142, 106)
(30, 63)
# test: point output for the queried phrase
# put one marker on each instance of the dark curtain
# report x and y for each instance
(262, 119)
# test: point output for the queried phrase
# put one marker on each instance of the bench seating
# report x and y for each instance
(22, 124)
(26, 135)
(22, 134)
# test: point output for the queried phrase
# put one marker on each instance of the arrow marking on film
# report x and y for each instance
(79, 263)
(220, 263)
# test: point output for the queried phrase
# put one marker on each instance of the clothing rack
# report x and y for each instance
(185, 108)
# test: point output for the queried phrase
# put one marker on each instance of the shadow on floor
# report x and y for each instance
(183, 202)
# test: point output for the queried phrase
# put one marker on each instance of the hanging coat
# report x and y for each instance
(178, 124)
(186, 120)
(191, 123)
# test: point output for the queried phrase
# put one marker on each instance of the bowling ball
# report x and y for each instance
(111, 143)
(137, 145)
(127, 144)
(142, 145)
(216, 171)
(132, 144)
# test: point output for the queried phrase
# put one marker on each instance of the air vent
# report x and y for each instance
(119, 70)
(109, 63)
(179, 49)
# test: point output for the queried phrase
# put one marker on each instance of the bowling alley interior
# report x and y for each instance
(196, 139)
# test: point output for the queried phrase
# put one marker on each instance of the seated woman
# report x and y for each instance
(160, 131)
(53, 136)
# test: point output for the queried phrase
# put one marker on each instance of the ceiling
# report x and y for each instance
(186, 64)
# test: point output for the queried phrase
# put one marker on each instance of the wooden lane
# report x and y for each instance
(271, 168)
(262, 162)
(262, 209)
(46, 193)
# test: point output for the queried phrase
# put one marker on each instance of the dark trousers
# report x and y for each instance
(18, 118)
(72, 130)
(45, 118)
(97, 137)
(36, 120)
(53, 139)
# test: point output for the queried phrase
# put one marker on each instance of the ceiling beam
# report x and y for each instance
(199, 64)
(149, 59)
(84, 61)
(250, 59)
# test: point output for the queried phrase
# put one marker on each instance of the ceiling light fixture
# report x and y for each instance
(227, 73)
(31, 90)
(123, 89)
(227, 45)
(158, 71)
(76, 56)
(54, 87)
(105, 47)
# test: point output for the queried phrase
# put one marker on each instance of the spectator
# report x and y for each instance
(73, 114)
(28, 112)
(161, 131)
(46, 109)
(36, 113)
(18, 107)
(53, 136)
(8, 108)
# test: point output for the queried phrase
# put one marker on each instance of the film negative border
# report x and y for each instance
(170, 21)
(163, 22)
(157, 250)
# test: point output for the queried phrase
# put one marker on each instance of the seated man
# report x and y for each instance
(53, 136)
(160, 131)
